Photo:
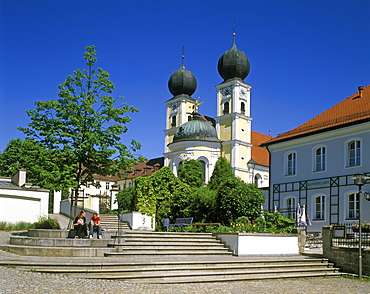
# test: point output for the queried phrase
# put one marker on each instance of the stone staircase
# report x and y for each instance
(188, 271)
(146, 243)
(110, 222)
(153, 257)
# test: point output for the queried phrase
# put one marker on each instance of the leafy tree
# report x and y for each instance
(154, 190)
(221, 173)
(191, 173)
(236, 198)
(126, 199)
(41, 165)
(83, 126)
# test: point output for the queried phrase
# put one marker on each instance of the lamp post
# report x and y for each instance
(251, 166)
(360, 180)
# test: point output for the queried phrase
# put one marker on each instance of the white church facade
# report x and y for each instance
(192, 135)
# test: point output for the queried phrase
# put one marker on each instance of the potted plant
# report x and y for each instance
(365, 227)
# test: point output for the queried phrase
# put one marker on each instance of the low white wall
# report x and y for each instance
(139, 221)
(244, 244)
(26, 205)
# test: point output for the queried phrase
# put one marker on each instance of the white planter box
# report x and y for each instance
(244, 244)
(139, 221)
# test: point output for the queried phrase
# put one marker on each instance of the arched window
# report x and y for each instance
(242, 108)
(258, 180)
(173, 121)
(353, 205)
(203, 169)
(290, 205)
(320, 207)
(226, 107)
(354, 153)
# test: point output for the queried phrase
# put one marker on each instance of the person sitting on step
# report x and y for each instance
(80, 225)
(95, 225)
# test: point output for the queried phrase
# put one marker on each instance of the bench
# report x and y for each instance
(179, 222)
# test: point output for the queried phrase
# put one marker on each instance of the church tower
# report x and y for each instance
(233, 110)
(182, 84)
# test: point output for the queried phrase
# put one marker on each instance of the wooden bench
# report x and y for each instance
(179, 222)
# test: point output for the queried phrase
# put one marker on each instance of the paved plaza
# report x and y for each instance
(14, 280)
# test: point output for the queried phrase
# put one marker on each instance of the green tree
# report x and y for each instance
(83, 127)
(40, 163)
(126, 199)
(155, 190)
(236, 198)
(221, 173)
(191, 173)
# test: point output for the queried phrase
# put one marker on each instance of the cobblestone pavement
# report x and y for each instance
(17, 281)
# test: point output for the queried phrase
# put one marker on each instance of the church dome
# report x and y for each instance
(198, 129)
(233, 64)
(182, 81)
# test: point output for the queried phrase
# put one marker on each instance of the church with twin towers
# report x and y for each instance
(191, 135)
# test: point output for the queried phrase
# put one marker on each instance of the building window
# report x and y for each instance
(354, 153)
(242, 108)
(320, 207)
(173, 121)
(290, 205)
(320, 159)
(226, 107)
(353, 205)
(106, 186)
(291, 163)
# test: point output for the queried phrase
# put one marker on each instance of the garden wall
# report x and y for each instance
(345, 258)
(261, 244)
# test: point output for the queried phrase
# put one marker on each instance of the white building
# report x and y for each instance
(192, 135)
(21, 201)
(313, 164)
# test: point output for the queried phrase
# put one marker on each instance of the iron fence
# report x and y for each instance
(347, 235)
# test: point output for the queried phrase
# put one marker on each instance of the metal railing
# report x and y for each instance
(347, 236)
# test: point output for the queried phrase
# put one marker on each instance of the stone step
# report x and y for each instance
(161, 263)
(174, 243)
(132, 269)
(59, 242)
(165, 239)
(59, 251)
(166, 252)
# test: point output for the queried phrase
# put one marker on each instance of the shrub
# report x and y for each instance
(47, 223)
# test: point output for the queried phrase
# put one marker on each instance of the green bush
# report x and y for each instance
(47, 223)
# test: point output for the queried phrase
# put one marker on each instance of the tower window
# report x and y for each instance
(242, 108)
(173, 121)
(226, 108)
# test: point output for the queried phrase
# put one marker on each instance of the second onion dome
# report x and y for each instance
(233, 64)
(182, 81)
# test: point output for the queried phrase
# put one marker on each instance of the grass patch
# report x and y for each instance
(18, 226)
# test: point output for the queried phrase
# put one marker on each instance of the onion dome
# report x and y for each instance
(233, 64)
(182, 81)
(198, 129)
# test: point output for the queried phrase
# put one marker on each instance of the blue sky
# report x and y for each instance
(305, 56)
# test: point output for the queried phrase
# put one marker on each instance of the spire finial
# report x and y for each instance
(183, 54)
(234, 32)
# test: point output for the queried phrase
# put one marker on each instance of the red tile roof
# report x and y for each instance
(142, 169)
(260, 155)
(353, 110)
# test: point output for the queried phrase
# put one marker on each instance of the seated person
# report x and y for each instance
(95, 225)
(80, 225)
